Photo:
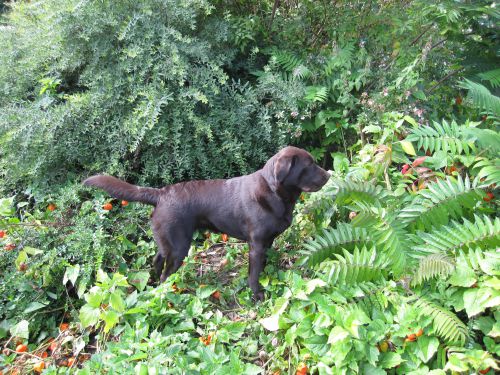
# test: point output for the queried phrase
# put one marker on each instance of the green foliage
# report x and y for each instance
(481, 97)
(431, 266)
(442, 137)
(446, 324)
(138, 90)
(350, 268)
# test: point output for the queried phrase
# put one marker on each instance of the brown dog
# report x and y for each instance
(254, 208)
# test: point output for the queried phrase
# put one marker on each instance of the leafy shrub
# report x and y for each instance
(131, 89)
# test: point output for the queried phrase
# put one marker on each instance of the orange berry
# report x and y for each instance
(38, 368)
(71, 361)
(124, 203)
(21, 348)
(224, 237)
(420, 332)
(107, 206)
(63, 326)
(489, 197)
(51, 207)
(2, 233)
(53, 346)
(216, 294)
(301, 369)
(411, 337)
(44, 355)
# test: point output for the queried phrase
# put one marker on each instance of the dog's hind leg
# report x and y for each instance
(173, 245)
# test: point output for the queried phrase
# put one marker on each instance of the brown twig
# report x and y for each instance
(440, 82)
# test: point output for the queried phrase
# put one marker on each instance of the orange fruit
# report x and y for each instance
(216, 294)
(124, 203)
(44, 355)
(51, 207)
(224, 237)
(489, 197)
(23, 267)
(63, 326)
(2, 233)
(420, 332)
(38, 367)
(485, 371)
(301, 369)
(21, 348)
(53, 346)
(411, 337)
(107, 206)
(71, 361)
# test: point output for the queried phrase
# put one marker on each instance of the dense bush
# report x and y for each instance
(137, 89)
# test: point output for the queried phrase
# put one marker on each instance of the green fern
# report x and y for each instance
(450, 239)
(479, 260)
(348, 191)
(286, 60)
(488, 171)
(316, 94)
(492, 76)
(481, 97)
(330, 241)
(360, 266)
(342, 58)
(442, 137)
(446, 324)
(432, 266)
(440, 201)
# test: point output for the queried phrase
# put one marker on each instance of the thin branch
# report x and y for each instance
(419, 36)
(440, 82)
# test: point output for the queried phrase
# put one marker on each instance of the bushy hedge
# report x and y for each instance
(144, 90)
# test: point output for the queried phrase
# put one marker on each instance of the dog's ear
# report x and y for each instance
(282, 167)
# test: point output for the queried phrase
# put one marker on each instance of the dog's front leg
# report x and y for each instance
(256, 265)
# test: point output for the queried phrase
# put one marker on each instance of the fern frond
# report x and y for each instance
(342, 58)
(446, 324)
(481, 97)
(445, 137)
(372, 298)
(286, 60)
(349, 191)
(431, 266)
(362, 265)
(488, 171)
(316, 94)
(331, 241)
(440, 201)
(483, 232)
(485, 139)
(492, 76)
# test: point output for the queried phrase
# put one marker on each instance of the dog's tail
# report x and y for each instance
(122, 190)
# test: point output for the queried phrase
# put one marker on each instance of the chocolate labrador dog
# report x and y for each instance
(255, 208)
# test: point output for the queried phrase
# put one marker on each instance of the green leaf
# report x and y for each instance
(32, 251)
(71, 274)
(463, 276)
(95, 296)
(139, 279)
(337, 334)
(21, 329)
(476, 300)
(408, 148)
(6, 206)
(390, 360)
(428, 347)
(111, 318)
(22, 257)
(34, 306)
(89, 316)
(205, 291)
(116, 301)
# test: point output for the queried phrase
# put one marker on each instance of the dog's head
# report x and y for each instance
(294, 168)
